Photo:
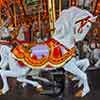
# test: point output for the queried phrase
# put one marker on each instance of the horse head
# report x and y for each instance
(83, 24)
(72, 26)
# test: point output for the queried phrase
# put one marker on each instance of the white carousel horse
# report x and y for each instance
(71, 27)
(68, 32)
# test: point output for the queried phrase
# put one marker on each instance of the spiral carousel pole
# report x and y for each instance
(51, 11)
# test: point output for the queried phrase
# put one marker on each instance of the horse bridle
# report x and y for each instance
(83, 22)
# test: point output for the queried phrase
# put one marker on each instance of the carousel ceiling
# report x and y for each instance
(91, 5)
(47, 8)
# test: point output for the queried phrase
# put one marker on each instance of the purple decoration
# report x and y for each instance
(40, 50)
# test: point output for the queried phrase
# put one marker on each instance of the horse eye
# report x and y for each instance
(87, 25)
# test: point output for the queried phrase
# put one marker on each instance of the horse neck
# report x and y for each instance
(66, 37)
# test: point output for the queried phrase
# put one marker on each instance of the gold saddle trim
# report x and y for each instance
(23, 54)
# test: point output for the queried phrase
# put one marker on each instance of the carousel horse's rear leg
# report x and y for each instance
(72, 68)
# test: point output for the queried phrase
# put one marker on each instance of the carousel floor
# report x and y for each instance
(94, 95)
(94, 80)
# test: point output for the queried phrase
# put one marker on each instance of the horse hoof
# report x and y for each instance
(79, 93)
(1, 93)
(70, 77)
(39, 89)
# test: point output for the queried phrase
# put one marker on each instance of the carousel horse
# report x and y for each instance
(71, 27)
(7, 59)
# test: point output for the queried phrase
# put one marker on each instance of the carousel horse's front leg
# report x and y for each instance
(72, 68)
(5, 83)
(83, 64)
(20, 77)
(10, 73)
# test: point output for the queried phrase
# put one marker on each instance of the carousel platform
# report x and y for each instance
(29, 94)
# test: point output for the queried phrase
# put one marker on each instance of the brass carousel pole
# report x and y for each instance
(0, 13)
(39, 19)
(15, 20)
(39, 15)
(14, 7)
(60, 6)
(51, 18)
(54, 12)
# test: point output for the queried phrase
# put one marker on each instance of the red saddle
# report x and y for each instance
(57, 52)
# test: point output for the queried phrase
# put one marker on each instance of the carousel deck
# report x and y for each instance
(94, 95)
(29, 94)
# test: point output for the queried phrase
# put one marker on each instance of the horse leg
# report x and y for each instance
(10, 73)
(24, 80)
(5, 84)
(83, 64)
(72, 68)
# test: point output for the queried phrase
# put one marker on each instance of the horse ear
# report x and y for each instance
(93, 19)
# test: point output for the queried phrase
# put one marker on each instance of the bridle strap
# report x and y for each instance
(83, 22)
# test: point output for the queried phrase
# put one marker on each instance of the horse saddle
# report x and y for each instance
(55, 57)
